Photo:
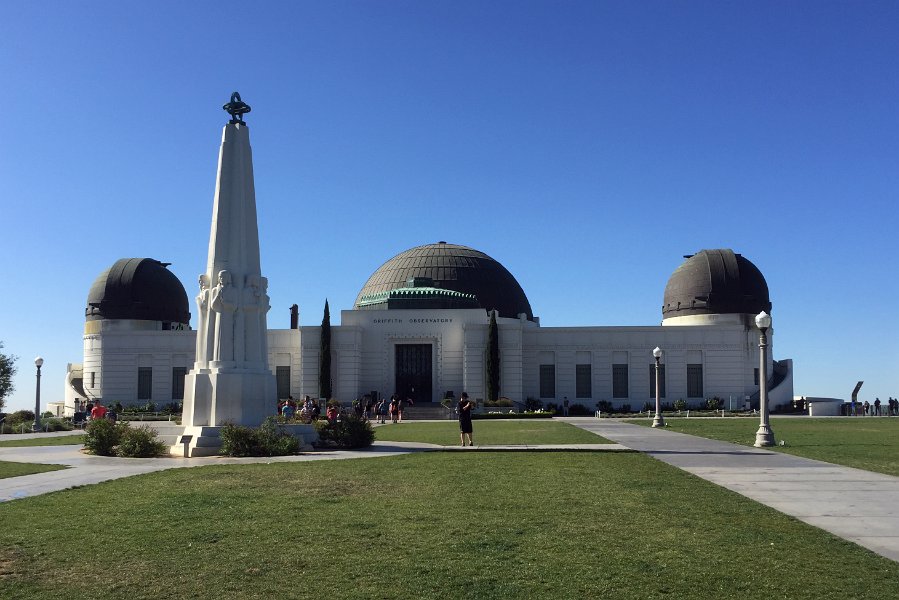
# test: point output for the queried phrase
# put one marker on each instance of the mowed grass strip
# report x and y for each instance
(429, 525)
(489, 433)
(61, 440)
(870, 443)
(16, 469)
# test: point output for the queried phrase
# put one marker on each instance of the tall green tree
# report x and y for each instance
(324, 356)
(492, 358)
(7, 370)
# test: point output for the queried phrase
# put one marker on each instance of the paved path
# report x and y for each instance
(856, 505)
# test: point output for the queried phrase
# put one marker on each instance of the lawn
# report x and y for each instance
(866, 443)
(429, 525)
(63, 440)
(16, 469)
(526, 431)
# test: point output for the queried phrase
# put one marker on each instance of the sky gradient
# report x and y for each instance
(587, 146)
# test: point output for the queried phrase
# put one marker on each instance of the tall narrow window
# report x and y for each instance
(755, 376)
(652, 381)
(282, 378)
(178, 374)
(694, 381)
(583, 384)
(93, 379)
(145, 383)
(547, 381)
(619, 381)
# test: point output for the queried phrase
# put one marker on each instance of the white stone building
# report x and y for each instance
(419, 328)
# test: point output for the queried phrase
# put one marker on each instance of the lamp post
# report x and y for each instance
(764, 436)
(658, 421)
(38, 362)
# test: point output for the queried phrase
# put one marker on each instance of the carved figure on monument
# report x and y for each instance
(225, 298)
(252, 296)
(204, 331)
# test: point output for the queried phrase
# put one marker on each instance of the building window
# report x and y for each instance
(619, 381)
(93, 379)
(547, 381)
(145, 383)
(178, 374)
(652, 381)
(583, 381)
(755, 376)
(282, 376)
(694, 381)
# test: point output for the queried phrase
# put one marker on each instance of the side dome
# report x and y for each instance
(138, 288)
(716, 282)
(477, 279)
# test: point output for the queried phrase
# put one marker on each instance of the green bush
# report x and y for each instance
(140, 442)
(578, 409)
(604, 406)
(680, 404)
(713, 403)
(348, 432)
(266, 440)
(513, 415)
(625, 408)
(102, 436)
(532, 404)
(500, 402)
(19, 417)
(56, 424)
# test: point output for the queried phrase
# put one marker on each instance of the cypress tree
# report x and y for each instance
(324, 357)
(492, 358)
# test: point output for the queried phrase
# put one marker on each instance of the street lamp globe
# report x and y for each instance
(38, 362)
(763, 320)
(657, 352)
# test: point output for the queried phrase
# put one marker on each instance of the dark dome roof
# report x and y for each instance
(452, 267)
(138, 288)
(715, 282)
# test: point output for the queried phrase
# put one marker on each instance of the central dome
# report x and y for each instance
(451, 267)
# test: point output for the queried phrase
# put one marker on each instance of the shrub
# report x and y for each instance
(578, 409)
(102, 436)
(604, 406)
(499, 402)
(680, 404)
(625, 408)
(551, 407)
(237, 440)
(348, 432)
(140, 442)
(266, 440)
(56, 424)
(19, 417)
(713, 403)
(532, 404)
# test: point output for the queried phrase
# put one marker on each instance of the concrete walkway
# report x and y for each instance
(853, 504)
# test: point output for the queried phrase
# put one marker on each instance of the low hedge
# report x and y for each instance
(514, 415)
(105, 438)
(348, 432)
(269, 439)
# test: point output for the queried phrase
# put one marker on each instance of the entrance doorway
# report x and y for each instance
(413, 372)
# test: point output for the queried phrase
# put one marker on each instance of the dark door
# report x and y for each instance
(413, 371)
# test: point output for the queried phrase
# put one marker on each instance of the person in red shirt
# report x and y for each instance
(98, 412)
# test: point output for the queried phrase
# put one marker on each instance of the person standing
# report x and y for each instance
(877, 407)
(465, 427)
(394, 409)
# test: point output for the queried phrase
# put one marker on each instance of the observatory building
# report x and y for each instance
(419, 328)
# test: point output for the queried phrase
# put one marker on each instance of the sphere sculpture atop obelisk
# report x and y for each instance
(231, 381)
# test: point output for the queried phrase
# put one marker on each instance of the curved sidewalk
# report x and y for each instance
(860, 506)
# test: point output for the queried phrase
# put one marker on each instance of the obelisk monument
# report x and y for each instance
(230, 381)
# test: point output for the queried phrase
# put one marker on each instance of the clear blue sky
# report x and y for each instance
(585, 145)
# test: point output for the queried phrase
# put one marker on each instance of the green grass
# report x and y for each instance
(430, 525)
(16, 469)
(62, 440)
(865, 443)
(446, 433)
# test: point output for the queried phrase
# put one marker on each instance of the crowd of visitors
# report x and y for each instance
(88, 410)
(875, 409)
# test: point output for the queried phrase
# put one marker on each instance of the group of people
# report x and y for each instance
(91, 410)
(874, 409)
(307, 410)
